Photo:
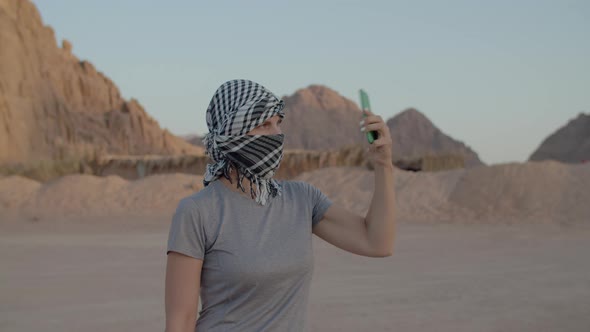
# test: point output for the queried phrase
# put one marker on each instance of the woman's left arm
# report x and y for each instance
(373, 235)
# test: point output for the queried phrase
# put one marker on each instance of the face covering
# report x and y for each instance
(237, 107)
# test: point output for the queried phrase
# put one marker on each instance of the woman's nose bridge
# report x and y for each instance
(277, 128)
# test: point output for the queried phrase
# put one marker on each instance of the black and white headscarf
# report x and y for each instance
(237, 107)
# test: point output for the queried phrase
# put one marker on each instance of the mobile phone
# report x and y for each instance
(365, 106)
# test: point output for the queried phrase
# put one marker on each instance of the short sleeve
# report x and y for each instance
(187, 235)
(320, 204)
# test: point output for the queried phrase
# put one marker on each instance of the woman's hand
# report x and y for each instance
(380, 149)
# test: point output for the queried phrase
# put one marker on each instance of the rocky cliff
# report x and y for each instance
(53, 105)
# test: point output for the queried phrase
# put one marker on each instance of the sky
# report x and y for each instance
(499, 76)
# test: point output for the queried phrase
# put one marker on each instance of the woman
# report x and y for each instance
(243, 243)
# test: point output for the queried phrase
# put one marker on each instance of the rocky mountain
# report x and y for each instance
(319, 118)
(570, 143)
(414, 135)
(53, 105)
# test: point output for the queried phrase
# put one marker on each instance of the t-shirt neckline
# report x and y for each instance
(229, 191)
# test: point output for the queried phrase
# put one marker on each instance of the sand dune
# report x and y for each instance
(92, 196)
(538, 192)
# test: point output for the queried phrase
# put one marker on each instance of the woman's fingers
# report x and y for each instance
(372, 119)
(379, 127)
(381, 142)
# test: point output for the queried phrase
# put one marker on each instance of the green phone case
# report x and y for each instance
(371, 135)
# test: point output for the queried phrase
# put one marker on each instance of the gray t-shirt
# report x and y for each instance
(257, 260)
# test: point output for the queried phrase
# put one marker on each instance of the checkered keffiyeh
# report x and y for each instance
(237, 107)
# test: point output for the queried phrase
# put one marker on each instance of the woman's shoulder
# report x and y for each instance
(303, 189)
(199, 199)
(292, 184)
(296, 186)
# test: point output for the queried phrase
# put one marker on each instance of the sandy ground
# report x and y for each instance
(98, 276)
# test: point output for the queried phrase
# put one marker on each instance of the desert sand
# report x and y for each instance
(99, 277)
(501, 248)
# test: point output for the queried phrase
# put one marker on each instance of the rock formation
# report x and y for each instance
(569, 144)
(318, 118)
(52, 105)
(414, 135)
